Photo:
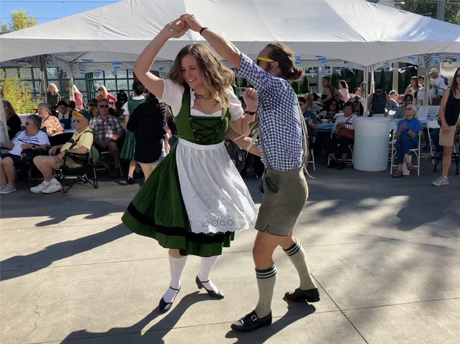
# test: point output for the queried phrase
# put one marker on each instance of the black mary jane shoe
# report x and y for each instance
(166, 306)
(211, 293)
(252, 322)
(299, 295)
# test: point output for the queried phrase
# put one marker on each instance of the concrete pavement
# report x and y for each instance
(384, 252)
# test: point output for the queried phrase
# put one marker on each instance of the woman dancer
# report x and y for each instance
(195, 200)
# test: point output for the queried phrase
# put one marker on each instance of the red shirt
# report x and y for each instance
(109, 97)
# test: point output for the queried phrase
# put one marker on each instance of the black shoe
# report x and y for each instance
(341, 166)
(114, 174)
(332, 164)
(130, 181)
(311, 295)
(252, 322)
(211, 293)
(165, 306)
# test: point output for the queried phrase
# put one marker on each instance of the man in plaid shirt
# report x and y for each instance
(281, 141)
(107, 132)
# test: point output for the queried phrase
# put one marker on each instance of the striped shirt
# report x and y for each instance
(350, 122)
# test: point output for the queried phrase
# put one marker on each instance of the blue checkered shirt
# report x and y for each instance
(278, 112)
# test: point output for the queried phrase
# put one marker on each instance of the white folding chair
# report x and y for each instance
(393, 129)
(311, 159)
(416, 151)
(431, 125)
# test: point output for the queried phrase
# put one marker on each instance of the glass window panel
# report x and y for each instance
(130, 84)
(81, 85)
(123, 85)
(111, 86)
(37, 73)
(25, 73)
(121, 73)
(53, 72)
(11, 72)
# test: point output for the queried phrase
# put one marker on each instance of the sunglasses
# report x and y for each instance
(263, 59)
(401, 104)
(333, 104)
(78, 121)
(408, 109)
(457, 75)
(103, 106)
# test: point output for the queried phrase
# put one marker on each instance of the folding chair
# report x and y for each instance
(432, 125)
(311, 159)
(106, 156)
(349, 161)
(88, 161)
(416, 151)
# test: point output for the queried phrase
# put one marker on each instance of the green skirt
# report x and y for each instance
(129, 146)
(158, 211)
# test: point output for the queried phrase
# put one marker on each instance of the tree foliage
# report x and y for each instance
(335, 80)
(305, 85)
(429, 8)
(353, 83)
(18, 93)
(296, 87)
(19, 20)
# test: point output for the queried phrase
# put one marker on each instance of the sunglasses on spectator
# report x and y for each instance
(103, 106)
(333, 104)
(407, 109)
(401, 104)
(78, 121)
(457, 75)
(263, 59)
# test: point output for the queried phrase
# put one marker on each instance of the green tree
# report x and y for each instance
(19, 20)
(305, 85)
(296, 87)
(335, 80)
(407, 77)
(18, 93)
(382, 81)
(390, 83)
(401, 84)
(429, 8)
(353, 83)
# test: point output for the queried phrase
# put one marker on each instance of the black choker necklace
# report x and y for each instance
(199, 96)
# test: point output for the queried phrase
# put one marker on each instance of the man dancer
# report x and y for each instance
(282, 153)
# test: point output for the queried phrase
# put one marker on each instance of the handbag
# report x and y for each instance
(345, 132)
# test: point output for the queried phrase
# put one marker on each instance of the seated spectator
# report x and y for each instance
(357, 95)
(311, 105)
(342, 137)
(49, 121)
(80, 143)
(331, 112)
(358, 108)
(107, 132)
(406, 138)
(13, 122)
(30, 139)
(64, 114)
(401, 110)
(72, 106)
(394, 99)
(92, 109)
(311, 121)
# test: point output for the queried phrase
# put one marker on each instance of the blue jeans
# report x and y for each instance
(402, 147)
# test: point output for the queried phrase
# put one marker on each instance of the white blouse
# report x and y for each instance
(172, 95)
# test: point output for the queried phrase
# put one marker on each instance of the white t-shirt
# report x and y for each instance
(125, 105)
(172, 95)
(439, 82)
(21, 138)
(421, 93)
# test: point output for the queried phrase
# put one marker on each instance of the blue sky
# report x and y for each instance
(49, 10)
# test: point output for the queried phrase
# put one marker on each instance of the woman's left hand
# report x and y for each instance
(192, 22)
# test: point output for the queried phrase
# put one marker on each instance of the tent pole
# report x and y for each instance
(364, 87)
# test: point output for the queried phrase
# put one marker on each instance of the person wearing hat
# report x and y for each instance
(437, 83)
(80, 143)
(64, 114)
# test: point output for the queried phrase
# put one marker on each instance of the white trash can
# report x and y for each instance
(370, 150)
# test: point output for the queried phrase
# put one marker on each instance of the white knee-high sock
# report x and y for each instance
(176, 266)
(207, 263)
(297, 255)
(266, 280)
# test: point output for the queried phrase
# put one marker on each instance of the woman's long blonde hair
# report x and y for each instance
(9, 111)
(217, 78)
(105, 90)
(56, 90)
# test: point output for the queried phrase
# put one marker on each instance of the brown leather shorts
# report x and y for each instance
(285, 194)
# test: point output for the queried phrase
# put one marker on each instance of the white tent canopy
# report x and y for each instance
(354, 30)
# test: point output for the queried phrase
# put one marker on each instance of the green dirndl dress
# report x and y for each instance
(158, 210)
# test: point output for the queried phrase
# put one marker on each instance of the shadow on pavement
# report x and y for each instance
(44, 258)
